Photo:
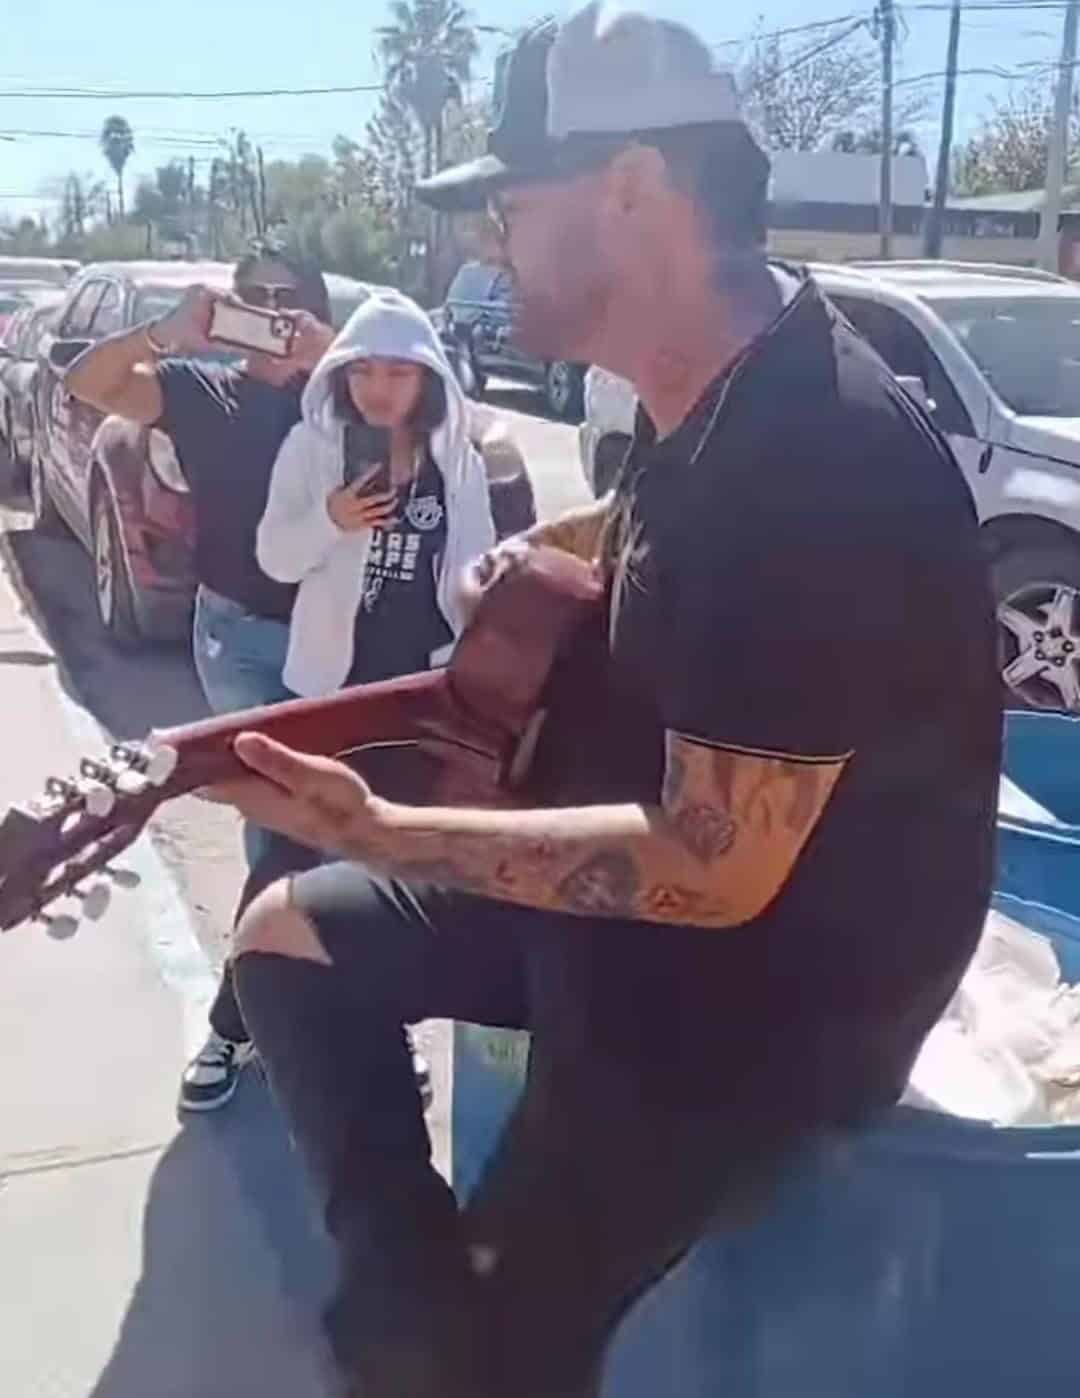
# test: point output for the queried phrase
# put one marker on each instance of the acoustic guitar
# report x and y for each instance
(480, 717)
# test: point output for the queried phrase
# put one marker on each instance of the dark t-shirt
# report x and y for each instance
(227, 429)
(399, 622)
(796, 571)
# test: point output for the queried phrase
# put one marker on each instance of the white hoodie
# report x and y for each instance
(299, 542)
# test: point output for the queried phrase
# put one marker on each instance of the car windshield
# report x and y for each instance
(152, 302)
(1028, 348)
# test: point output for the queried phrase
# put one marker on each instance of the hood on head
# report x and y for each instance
(388, 325)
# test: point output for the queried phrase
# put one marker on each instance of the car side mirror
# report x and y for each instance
(63, 353)
(915, 388)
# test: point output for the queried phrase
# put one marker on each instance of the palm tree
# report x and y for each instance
(117, 145)
(427, 53)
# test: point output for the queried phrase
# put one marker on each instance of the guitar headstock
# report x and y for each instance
(51, 846)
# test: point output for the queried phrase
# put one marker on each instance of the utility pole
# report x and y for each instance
(887, 21)
(1058, 152)
(935, 226)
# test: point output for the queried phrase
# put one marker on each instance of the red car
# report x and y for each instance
(117, 485)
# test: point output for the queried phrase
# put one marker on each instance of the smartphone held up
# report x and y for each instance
(251, 328)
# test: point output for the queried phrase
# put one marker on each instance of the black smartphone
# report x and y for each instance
(367, 458)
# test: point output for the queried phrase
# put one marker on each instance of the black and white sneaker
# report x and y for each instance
(211, 1077)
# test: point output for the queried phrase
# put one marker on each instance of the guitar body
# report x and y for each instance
(466, 734)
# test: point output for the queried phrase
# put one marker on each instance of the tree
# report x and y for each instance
(427, 54)
(1010, 150)
(806, 99)
(117, 146)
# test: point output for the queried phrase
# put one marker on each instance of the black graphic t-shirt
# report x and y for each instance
(399, 623)
(227, 429)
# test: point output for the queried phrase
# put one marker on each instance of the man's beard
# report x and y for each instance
(555, 326)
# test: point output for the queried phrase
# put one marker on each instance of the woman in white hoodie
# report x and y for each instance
(378, 575)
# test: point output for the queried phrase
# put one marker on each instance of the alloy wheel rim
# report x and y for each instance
(1040, 634)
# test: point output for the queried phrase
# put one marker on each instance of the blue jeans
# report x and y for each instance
(239, 658)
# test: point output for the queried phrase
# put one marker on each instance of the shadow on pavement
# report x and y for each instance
(128, 693)
(234, 1268)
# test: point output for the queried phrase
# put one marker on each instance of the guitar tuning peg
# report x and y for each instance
(159, 764)
(126, 754)
(132, 783)
(99, 800)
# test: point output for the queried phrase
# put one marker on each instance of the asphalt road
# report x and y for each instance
(128, 694)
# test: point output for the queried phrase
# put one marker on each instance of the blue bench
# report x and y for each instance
(931, 1258)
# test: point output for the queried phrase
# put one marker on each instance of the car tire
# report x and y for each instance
(47, 518)
(113, 588)
(564, 390)
(1037, 593)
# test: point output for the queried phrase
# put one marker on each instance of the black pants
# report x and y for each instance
(282, 857)
(620, 1153)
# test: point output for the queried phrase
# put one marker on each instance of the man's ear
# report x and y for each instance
(636, 178)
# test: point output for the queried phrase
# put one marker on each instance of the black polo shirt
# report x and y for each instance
(227, 428)
(796, 572)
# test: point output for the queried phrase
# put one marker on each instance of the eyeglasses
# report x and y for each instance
(273, 296)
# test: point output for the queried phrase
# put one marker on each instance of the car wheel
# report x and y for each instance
(1038, 597)
(47, 518)
(564, 389)
(112, 581)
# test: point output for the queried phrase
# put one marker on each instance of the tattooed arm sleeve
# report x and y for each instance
(714, 853)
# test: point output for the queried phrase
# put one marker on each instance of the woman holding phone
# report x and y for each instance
(378, 501)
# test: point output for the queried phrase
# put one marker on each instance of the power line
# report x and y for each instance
(98, 95)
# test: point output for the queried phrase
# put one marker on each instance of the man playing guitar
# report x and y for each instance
(760, 844)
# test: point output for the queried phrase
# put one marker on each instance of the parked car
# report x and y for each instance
(23, 279)
(18, 376)
(476, 322)
(994, 354)
(116, 484)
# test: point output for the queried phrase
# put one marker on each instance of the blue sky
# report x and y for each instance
(201, 45)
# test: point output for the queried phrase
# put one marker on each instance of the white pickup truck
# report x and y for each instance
(994, 354)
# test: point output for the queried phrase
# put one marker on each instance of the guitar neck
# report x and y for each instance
(419, 709)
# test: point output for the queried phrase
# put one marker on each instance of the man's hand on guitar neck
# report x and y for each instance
(714, 853)
(578, 532)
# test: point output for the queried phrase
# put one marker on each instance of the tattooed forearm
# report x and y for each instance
(607, 884)
(705, 830)
(714, 854)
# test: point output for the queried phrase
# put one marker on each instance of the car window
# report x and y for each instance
(152, 302)
(13, 330)
(81, 312)
(1028, 348)
(33, 332)
(472, 283)
(109, 316)
(905, 350)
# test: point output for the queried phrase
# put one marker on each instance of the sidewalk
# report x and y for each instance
(139, 1258)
